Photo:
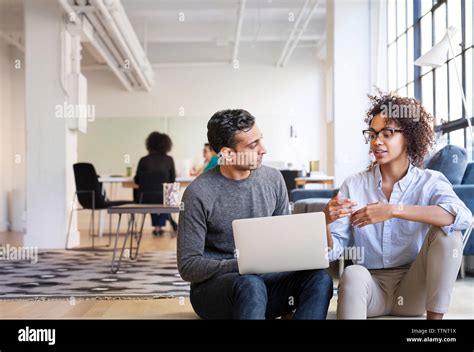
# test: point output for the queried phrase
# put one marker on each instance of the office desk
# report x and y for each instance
(128, 182)
(324, 180)
(132, 210)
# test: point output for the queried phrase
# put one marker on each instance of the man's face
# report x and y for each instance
(248, 151)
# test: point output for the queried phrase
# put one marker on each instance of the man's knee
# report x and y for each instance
(321, 280)
(252, 286)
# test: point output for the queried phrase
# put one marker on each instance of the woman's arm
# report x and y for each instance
(338, 231)
(337, 208)
(378, 212)
(329, 236)
(428, 214)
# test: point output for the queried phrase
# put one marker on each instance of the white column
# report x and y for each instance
(51, 148)
(5, 136)
(351, 78)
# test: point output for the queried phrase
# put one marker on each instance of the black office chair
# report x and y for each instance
(150, 190)
(289, 177)
(91, 196)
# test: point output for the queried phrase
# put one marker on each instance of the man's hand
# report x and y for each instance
(372, 214)
(338, 208)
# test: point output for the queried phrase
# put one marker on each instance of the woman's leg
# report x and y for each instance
(158, 221)
(161, 219)
(428, 284)
(360, 295)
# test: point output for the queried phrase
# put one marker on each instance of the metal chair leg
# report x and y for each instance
(110, 230)
(93, 228)
(467, 235)
(462, 269)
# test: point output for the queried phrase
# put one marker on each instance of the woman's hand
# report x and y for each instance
(338, 208)
(372, 214)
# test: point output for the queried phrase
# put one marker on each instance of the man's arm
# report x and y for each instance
(193, 266)
(283, 204)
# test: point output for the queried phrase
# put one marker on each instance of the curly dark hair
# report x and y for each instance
(408, 113)
(159, 143)
(223, 126)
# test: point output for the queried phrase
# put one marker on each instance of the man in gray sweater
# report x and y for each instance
(236, 189)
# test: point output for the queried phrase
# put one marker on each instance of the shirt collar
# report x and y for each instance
(403, 183)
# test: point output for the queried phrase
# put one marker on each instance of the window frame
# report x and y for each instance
(445, 124)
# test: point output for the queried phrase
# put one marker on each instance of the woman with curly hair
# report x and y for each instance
(407, 229)
(157, 166)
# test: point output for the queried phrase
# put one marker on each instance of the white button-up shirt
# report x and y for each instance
(394, 242)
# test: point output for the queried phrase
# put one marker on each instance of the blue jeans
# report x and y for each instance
(159, 219)
(266, 296)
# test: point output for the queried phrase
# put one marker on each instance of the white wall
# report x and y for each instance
(12, 139)
(277, 97)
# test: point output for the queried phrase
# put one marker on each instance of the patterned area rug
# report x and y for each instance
(86, 275)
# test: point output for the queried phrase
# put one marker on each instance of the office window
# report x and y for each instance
(469, 79)
(414, 26)
(439, 23)
(469, 26)
(441, 96)
(427, 92)
(426, 39)
(425, 6)
(402, 61)
(400, 48)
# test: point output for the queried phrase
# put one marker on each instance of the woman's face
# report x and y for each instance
(207, 153)
(387, 148)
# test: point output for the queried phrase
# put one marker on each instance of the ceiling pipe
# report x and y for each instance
(117, 36)
(303, 29)
(101, 43)
(190, 64)
(97, 44)
(238, 30)
(12, 41)
(160, 65)
(110, 45)
(226, 41)
(292, 34)
(118, 13)
(69, 10)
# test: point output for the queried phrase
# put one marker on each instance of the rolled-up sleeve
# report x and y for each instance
(443, 195)
(340, 230)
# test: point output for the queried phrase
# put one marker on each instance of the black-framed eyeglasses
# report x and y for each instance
(385, 134)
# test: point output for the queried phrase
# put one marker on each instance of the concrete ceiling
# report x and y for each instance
(174, 31)
(203, 31)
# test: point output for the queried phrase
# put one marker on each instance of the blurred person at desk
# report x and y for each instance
(161, 166)
(211, 160)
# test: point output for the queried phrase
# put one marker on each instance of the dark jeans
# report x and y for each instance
(266, 296)
(159, 219)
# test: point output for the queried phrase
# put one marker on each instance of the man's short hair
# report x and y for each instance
(223, 126)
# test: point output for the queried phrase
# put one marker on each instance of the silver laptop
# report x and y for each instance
(281, 243)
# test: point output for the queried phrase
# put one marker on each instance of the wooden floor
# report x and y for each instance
(462, 301)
